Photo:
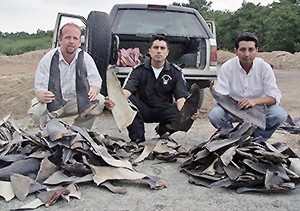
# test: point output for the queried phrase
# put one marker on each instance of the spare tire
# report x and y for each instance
(98, 42)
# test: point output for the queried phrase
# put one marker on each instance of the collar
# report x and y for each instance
(167, 65)
(241, 68)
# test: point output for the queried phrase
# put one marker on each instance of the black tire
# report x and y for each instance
(98, 42)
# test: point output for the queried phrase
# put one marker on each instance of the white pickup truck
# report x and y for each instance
(193, 45)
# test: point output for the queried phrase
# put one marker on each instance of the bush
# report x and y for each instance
(21, 42)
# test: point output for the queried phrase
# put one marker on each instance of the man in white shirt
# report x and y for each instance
(67, 82)
(250, 81)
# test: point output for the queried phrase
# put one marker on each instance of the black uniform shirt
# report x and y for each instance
(156, 92)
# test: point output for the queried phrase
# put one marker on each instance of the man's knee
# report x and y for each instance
(100, 106)
(36, 111)
(278, 114)
(281, 117)
(216, 114)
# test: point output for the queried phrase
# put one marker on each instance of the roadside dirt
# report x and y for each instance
(16, 85)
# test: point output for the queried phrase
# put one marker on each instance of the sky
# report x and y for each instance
(31, 15)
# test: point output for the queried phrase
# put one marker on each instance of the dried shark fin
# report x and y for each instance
(24, 167)
(254, 115)
(56, 130)
(184, 120)
(54, 84)
(6, 190)
(84, 104)
(122, 112)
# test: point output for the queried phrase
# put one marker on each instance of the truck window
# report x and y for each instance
(157, 22)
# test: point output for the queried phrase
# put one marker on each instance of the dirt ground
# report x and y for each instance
(16, 85)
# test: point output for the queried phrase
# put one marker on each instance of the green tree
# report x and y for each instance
(202, 6)
(276, 25)
(282, 30)
(249, 18)
(21, 42)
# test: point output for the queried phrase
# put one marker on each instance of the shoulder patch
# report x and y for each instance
(138, 65)
(176, 67)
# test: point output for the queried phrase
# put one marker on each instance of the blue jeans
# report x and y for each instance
(275, 116)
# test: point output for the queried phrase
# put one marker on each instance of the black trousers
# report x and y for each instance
(163, 113)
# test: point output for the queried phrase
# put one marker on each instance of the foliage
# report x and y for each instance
(283, 27)
(276, 25)
(201, 5)
(21, 42)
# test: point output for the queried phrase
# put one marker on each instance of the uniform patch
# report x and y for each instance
(176, 67)
(166, 78)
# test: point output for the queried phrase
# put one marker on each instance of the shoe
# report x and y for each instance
(161, 130)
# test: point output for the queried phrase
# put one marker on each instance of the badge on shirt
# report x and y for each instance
(166, 78)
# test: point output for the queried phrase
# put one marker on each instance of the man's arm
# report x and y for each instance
(179, 103)
(44, 96)
(93, 93)
(127, 93)
(248, 103)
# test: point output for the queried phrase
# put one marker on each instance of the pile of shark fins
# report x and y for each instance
(291, 125)
(235, 160)
(55, 160)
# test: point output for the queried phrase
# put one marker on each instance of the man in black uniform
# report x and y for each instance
(152, 87)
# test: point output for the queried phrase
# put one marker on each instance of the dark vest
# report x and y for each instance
(82, 85)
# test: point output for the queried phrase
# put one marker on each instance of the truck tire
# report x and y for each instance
(98, 43)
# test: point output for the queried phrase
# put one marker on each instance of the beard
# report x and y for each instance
(70, 49)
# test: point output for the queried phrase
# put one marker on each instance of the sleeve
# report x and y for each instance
(270, 85)
(93, 75)
(181, 88)
(223, 85)
(132, 81)
(42, 73)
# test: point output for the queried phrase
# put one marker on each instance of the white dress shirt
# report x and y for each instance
(67, 73)
(259, 82)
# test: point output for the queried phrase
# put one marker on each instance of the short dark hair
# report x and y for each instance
(158, 37)
(68, 24)
(246, 36)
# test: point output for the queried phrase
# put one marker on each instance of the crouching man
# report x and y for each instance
(151, 88)
(67, 82)
(251, 81)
